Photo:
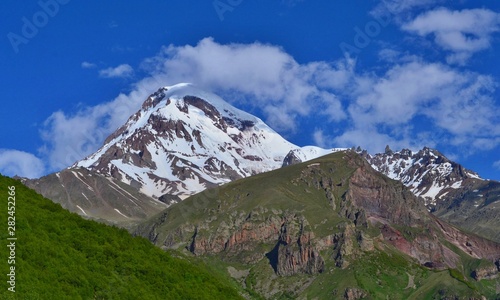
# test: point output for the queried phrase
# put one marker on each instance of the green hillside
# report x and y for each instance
(59, 255)
(331, 228)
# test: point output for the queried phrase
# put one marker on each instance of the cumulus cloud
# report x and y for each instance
(320, 139)
(71, 137)
(367, 138)
(120, 71)
(414, 103)
(261, 75)
(419, 103)
(463, 33)
(14, 162)
(264, 74)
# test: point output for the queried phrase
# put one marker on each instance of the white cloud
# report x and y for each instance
(88, 65)
(264, 74)
(368, 138)
(14, 162)
(389, 55)
(454, 108)
(320, 139)
(462, 32)
(378, 110)
(121, 71)
(69, 138)
(496, 164)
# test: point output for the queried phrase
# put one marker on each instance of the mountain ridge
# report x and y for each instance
(184, 140)
(184, 128)
(427, 172)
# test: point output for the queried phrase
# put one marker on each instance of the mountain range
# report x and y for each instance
(192, 173)
(184, 140)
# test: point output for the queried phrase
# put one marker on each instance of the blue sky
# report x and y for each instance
(407, 73)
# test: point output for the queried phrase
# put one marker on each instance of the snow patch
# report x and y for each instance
(457, 185)
(121, 213)
(81, 210)
(77, 175)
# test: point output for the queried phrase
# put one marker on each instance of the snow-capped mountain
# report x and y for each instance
(428, 173)
(184, 140)
(450, 191)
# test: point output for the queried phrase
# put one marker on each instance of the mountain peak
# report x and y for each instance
(181, 141)
(185, 139)
(427, 172)
(181, 90)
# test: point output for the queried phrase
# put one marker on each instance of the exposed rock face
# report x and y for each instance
(283, 223)
(291, 159)
(366, 199)
(233, 240)
(475, 207)
(381, 199)
(489, 272)
(354, 294)
(294, 255)
(387, 203)
(169, 199)
(295, 250)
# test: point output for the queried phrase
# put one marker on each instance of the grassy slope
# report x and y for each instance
(272, 190)
(59, 255)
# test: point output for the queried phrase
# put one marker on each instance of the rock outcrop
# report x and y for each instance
(487, 272)
(296, 251)
(291, 159)
(354, 294)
